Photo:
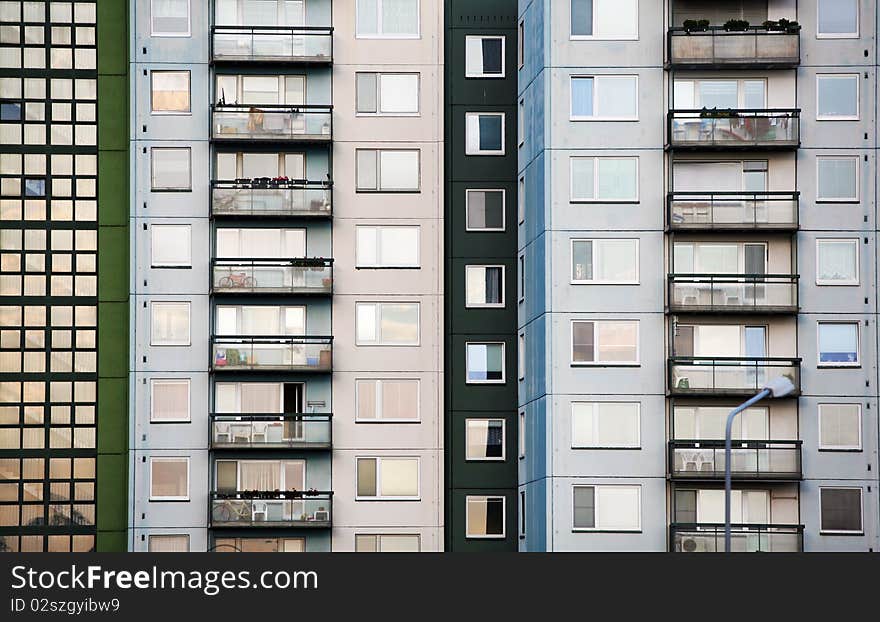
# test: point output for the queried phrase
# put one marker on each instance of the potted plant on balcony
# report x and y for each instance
(782, 25)
(695, 25)
(736, 25)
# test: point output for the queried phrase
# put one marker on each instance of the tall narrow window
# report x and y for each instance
(484, 56)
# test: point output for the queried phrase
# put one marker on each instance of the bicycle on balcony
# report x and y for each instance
(232, 511)
(237, 279)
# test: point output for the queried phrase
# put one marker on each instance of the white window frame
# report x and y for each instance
(486, 305)
(467, 533)
(480, 152)
(153, 187)
(861, 508)
(573, 117)
(594, 37)
(596, 159)
(503, 209)
(380, 396)
(188, 32)
(638, 440)
(379, 112)
(598, 363)
(637, 529)
(840, 76)
(858, 361)
(417, 35)
(378, 229)
(185, 263)
(379, 188)
(379, 459)
(173, 113)
(855, 242)
(184, 381)
(822, 447)
(380, 536)
(574, 281)
(378, 326)
(521, 440)
(503, 379)
(855, 199)
(503, 73)
(840, 35)
(154, 459)
(188, 341)
(503, 457)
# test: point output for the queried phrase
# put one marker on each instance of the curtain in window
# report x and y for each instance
(399, 170)
(841, 509)
(399, 399)
(367, 17)
(400, 477)
(170, 323)
(366, 399)
(170, 400)
(582, 18)
(259, 12)
(838, 96)
(616, 96)
(476, 517)
(838, 343)
(169, 544)
(582, 97)
(617, 179)
(616, 260)
(170, 16)
(259, 320)
(491, 56)
(585, 507)
(582, 186)
(170, 91)
(400, 17)
(837, 178)
(262, 475)
(617, 341)
(399, 93)
(582, 342)
(839, 424)
(493, 285)
(582, 260)
(399, 323)
(169, 478)
(260, 397)
(838, 16)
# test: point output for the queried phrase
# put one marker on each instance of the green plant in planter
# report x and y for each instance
(736, 25)
(696, 25)
(782, 25)
(714, 113)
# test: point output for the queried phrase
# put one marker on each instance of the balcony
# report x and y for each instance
(278, 122)
(273, 44)
(271, 431)
(272, 353)
(271, 509)
(750, 460)
(709, 538)
(716, 48)
(269, 276)
(732, 211)
(733, 293)
(718, 129)
(729, 376)
(249, 198)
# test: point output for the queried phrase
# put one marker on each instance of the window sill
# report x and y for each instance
(840, 450)
(383, 499)
(842, 533)
(623, 531)
(171, 267)
(387, 267)
(600, 364)
(167, 190)
(368, 191)
(604, 201)
(387, 421)
(838, 366)
(633, 448)
(501, 537)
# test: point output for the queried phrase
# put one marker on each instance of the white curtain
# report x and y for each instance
(261, 475)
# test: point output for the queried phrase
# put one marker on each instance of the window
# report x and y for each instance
(521, 200)
(520, 44)
(170, 246)
(840, 427)
(388, 19)
(719, 93)
(837, 19)
(837, 178)
(604, 180)
(484, 56)
(169, 544)
(485, 133)
(484, 286)
(605, 424)
(387, 93)
(387, 324)
(169, 18)
(521, 357)
(837, 97)
(485, 210)
(611, 98)
(485, 439)
(485, 363)
(169, 324)
(838, 344)
(607, 508)
(252, 242)
(604, 19)
(169, 401)
(387, 401)
(522, 435)
(522, 278)
(522, 513)
(608, 261)
(170, 168)
(387, 247)
(484, 517)
(841, 510)
(267, 475)
(169, 479)
(388, 478)
(386, 543)
(521, 123)
(387, 170)
(170, 91)
(837, 262)
(605, 342)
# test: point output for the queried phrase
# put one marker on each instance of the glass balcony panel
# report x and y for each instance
(733, 293)
(291, 277)
(709, 538)
(264, 122)
(265, 509)
(728, 376)
(283, 353)
(750, 459)
(731, 210)
(243, 431)
(733, 129)
(282, 44)
(247, 199)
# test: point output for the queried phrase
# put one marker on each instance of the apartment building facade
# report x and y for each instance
(287, 221)
(699, 217)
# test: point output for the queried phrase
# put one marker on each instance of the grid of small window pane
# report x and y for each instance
(48, 275)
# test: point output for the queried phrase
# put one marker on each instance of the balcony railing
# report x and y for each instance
(749, 459)
(307, 354)
(298, 123)
(733, 293)
(288, 44)
(701, 211)
(709, 538)
(255, 198)
(270, 276)
(721, 376)
(756, 47)
(734, 129)
(271, 509)
(271, 431)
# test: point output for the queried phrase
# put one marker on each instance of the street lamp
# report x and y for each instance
(777, 387)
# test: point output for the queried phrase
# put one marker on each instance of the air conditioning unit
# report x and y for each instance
(689, 545)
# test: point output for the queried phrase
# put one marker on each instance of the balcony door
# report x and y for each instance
(261, 320)
(746, 507)
(721, 94)
(708, 423)
(264, 475)
(253, 243)
(719, 340)
(719, 11)
(719, 258)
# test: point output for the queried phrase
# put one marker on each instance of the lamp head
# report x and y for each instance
(779, 386)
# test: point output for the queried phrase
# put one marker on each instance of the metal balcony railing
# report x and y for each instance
(280, 352)
(271, 431)
(716, 47)
(708, 211)
(287, 44)
(688, 375)
(749, 459)
(254, 198)
(272, 509)
(745, 128)
(733, 293)
(278, 122)
(272, 276)
(709, 538)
